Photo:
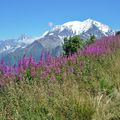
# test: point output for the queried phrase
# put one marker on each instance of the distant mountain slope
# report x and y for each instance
(10, 45)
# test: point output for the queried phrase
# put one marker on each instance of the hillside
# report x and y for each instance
(82, 86)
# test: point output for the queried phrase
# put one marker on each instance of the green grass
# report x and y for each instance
(93, 94)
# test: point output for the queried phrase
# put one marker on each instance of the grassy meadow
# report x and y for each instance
(82, 86)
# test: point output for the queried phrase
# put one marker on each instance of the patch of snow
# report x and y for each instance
(7, 47)
(51, 33)
(44, 34)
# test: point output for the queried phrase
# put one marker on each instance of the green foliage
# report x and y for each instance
(28, 74)
(115, 118)
(105, 87)
(71, 44)
(91, 40)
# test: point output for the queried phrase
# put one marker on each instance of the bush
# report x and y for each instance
(91, 40)
(71, 44)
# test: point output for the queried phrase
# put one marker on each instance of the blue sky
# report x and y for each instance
(31, 17)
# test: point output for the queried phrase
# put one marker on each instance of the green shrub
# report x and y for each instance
(91, 40)
(71, 44)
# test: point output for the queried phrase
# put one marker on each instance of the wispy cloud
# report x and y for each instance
(50, 24)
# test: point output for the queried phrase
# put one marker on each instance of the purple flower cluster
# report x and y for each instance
(52, 67)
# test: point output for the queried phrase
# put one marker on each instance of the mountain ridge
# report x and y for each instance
(52, 40)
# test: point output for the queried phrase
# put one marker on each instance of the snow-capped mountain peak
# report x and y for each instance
(11, 45)
(78, 28)
(104, 28)
(25, 39)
